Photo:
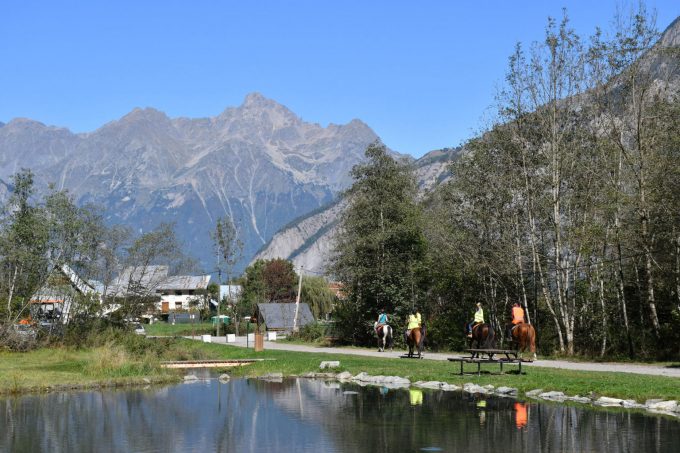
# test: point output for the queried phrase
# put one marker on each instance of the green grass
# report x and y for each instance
(617, 385)
(135, 358)
(44, 368)
(163, 328)
(128, 361)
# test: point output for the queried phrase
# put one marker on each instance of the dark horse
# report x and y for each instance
(416, 340)
(524, 337)
(483, 337)
(384, 334)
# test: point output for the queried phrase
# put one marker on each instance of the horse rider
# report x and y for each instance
(479, 319)
(517, 317)
(414, 321)
(382, 320)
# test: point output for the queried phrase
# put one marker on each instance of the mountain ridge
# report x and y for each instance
(257, 162)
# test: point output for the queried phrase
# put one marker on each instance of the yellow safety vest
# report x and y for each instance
(479, 316)
(413, 322)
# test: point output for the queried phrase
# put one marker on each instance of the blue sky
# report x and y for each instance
(423, 75)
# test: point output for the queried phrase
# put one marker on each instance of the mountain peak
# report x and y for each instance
(257, 101)
(145, 114)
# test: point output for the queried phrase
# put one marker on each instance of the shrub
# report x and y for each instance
(311, 332)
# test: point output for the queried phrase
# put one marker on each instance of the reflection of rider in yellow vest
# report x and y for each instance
(415, 396)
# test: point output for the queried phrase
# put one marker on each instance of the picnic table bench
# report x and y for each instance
(477, 356)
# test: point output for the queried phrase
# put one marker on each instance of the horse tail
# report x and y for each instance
(532, 339)
(491, 338)
(388, 336)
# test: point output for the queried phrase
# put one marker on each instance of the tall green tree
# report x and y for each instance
(381, 243)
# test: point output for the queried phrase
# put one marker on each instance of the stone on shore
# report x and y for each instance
(506, 391)
(344, 376)
(388, 381)
(579, 399)
(605, 401)
(534, 393)
(632, 404)
(664, 406)
(329, 364)
(553, 396)
(474, 388)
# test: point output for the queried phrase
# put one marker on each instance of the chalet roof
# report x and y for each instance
(59, 294)
(138, 279)
(185, 282)
(281, 316)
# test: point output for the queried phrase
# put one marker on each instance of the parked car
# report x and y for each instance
(139, 329)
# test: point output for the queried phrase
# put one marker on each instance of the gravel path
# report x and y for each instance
(653, 370)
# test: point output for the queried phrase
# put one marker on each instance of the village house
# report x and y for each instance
(57, 301)
(182, 292)
(170, 292)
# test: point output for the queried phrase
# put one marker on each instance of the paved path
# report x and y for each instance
(654, 370)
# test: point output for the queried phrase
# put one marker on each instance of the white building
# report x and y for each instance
(176, 292)
(182, 292)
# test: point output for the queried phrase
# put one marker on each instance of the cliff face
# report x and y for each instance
(308, 241)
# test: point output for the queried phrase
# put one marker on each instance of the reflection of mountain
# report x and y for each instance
(306, 415)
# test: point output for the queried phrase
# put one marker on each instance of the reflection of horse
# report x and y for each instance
(415, 340)
(384, 334)
(524, 336)
(483, 337)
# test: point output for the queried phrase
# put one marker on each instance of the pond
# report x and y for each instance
(301, 415)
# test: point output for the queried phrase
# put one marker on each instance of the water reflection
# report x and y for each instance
(305, 415)
(521, 414)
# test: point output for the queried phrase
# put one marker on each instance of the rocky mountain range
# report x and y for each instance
(258, 163)
(308, 241)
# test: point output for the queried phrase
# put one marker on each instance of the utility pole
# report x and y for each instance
(297, 302)
(219, 289)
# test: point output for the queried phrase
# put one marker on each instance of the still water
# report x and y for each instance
(300, 415)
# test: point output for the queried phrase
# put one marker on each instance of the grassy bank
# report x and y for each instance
(134, 358)
(122, 359)
(618, 385)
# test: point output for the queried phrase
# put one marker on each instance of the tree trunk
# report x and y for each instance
(677, 270)
(520, 270)
(11, 292)
(600, 272)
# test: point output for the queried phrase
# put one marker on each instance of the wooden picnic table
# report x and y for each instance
(511, 357)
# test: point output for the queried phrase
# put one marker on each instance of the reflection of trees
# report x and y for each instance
(304, 415)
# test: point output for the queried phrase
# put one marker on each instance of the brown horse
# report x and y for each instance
(415, 340)
(524, 337)
(483, 337)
